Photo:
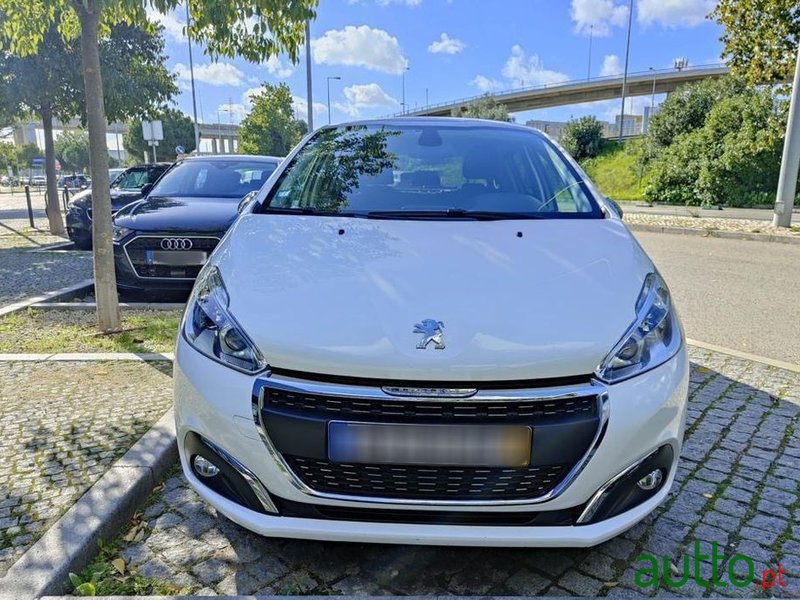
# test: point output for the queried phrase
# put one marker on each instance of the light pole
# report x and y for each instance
(309, 95)
(589, 68)
(329, 96)
(790, 162)
(625, 75)
(191, 75)
(407, 68)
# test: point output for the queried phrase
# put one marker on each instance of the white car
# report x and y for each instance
(431, 331)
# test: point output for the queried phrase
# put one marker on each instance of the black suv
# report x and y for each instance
(126, 188)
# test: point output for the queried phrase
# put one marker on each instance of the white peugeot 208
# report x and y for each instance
(431, 331)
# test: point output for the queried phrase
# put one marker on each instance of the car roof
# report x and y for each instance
(440, 121)
(249, 157)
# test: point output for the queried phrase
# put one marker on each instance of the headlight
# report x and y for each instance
(653, 339)
(211, 329)
(120, 233)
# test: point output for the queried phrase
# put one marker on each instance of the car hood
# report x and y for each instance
(119, 198)
(517, 299)
(179, 214)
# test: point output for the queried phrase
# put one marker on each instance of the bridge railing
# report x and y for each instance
(544, 86)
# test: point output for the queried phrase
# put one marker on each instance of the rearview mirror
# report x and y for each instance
(146, 189)
(246, 200)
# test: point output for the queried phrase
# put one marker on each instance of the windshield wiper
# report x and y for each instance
(452, 213)
(307, 210)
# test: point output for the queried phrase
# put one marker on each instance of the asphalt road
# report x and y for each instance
(738, 294)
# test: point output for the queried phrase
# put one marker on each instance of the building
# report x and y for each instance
(552, 128)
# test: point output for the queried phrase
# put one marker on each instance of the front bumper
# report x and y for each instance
(645, 413)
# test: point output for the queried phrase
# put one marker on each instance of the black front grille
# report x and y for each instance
(137, 250)
(433, 409)
(429, 483)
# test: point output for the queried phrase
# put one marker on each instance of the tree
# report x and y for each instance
(254, 29)
(8, 157)
(760, 38)
(271, 127)
(485, 107)
(178, 131)
(583, 138)
(72, 150)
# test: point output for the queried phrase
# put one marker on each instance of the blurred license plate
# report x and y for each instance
(177, 258)
(444, 445)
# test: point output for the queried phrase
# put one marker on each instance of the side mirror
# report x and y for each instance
(246, 200)
(616, 206)
(146, 189)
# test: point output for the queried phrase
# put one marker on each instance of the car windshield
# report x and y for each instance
(432, 171)
(136, 178)
(231, 178)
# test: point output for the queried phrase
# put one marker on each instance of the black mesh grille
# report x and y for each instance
(428, 483)
(461, 410)
(137, 251)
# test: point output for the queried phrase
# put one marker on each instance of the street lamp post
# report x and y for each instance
(625, 75)
(329, 96)
(790, 161)
(589, 68)
(404, 88)
(653, 94)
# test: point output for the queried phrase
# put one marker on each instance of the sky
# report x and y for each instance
(452, 49)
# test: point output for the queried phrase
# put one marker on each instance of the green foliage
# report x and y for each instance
(583, 137)
(178, 131)
(271, 127)
(485, 107)
(760, 38)
(732, 158)
(72, 150)
(616, 170)
(8, 158)
(26, 153)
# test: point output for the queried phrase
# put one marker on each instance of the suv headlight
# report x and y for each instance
(119, 233)
(651, 340)
(211, 329)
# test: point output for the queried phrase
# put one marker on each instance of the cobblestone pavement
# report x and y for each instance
(737, 485)
(24, 273)
(705, 222)
(61, 426)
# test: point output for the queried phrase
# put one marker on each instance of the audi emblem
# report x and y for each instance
(176, 244)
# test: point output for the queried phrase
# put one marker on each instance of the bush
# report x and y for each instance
(583, 138)
(617, 169)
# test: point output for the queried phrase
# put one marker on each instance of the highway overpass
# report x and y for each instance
(586, 90)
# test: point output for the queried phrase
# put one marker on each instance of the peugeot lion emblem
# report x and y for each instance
(432, 331)
(176, 244)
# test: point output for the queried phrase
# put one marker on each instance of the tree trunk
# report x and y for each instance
(53, 209)
(105, 280)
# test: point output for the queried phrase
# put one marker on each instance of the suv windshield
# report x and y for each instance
(436, 171)
(231, 178)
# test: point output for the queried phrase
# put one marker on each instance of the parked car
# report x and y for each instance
(73, 182)
(114, 173)
(162, 241)
(475, 353)
(125, 188)
(38, 180)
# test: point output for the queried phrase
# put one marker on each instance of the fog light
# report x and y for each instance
(651, 481)
(204, 467)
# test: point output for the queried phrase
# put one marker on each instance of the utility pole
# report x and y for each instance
(191, 74)
(309, 95)
(790, 163)
(625, 75)
(404, 88)
(329, 96)
(589, 68)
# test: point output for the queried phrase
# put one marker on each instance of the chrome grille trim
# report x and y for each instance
(160, 236)
(593, 388)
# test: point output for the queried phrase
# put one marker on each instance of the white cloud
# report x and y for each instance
(217, 73)
(368, 95)
(525, 70)
(173, 26)
(231, 112)
(674, 13)
(360, 46)
(248, 94)
(485, 84)
(406, 2)
(446, 45)
(300, 106)
(611, 65)
(599, 16)
(348, 109)
(278, 68)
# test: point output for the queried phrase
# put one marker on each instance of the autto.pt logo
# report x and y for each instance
(740, 571)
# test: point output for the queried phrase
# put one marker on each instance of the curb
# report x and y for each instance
(54, 295)
(93, 305)
(731, 235)
(88, 357)
(780, 364)
(99, 514)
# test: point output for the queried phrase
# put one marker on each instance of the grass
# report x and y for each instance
(43, 331)
(616, 172)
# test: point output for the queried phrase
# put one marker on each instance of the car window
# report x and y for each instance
(214, 178)
(437, 168)
(132, 179)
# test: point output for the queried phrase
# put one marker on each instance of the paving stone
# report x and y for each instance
(526, 583)
(579, 584)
